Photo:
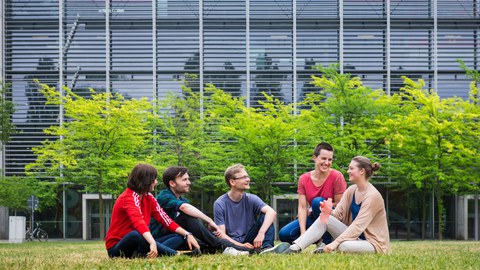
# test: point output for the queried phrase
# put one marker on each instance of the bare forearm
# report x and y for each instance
(148, 236)
(225, 236)
(302, 219)
(267, 221)
(192, 211)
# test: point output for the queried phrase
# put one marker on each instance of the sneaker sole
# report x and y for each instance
(277, 249)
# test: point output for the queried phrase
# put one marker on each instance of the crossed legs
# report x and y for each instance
(335, 228)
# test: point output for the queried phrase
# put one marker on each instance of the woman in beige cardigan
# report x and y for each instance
(359, 221)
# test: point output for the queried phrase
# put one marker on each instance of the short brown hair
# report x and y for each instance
(231, 171)
(141, 177)
(322, 146)
(171, 173)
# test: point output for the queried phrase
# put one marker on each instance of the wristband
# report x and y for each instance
(186, 235)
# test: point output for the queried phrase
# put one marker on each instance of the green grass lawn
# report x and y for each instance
(92, 255)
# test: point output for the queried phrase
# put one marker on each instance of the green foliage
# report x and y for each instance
(471, 73)
(260, 138)
(346, 114)
(434, 143)
(7, 128)
(179, 130)
(102, 139)
(15, 191)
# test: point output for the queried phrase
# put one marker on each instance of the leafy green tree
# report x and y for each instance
(346, 114)
(15, 191)
(259, 138)
(434, 139)
(179, 129)
(100, 141)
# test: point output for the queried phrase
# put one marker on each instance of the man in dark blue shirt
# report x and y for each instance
(171, 199)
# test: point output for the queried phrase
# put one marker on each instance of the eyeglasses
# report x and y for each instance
(242, 177)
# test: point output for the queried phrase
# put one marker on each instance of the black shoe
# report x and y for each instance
(192, 253)
(136, 254)
(280, 248)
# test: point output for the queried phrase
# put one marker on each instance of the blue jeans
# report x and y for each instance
(291, 231)
(173, 241)
(134, 241)
(253, 231)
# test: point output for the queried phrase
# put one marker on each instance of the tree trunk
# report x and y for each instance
(424, 215)
(408, 218)
(100, 210)
(100, 206)
(440, 213)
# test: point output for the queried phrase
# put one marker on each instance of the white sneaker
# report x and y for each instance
(319, 248)
(235, 252)
(280, 248)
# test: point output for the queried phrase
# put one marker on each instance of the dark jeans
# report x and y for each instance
(291, 231)
(252, 233)
(209, 243)
(134, 241)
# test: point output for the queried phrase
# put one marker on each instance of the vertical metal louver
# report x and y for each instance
(243, 47)
(31, 52)
(177, 45)
(271, 50)
(224, 47)
(131, 48)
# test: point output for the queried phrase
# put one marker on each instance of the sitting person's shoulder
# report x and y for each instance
(221, 199)
(164, 192)
(336, 173)
(252, 198)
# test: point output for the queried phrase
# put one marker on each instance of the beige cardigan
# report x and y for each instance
(371, 219)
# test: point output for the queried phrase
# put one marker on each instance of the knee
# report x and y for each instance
(356, 247)
(134, 234)
(285, 234)
(316, 202)
(316, 206)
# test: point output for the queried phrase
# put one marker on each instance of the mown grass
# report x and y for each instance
(92, 255)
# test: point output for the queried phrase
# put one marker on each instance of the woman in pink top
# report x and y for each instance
(314, 187)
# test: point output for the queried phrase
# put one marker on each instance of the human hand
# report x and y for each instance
(248, 245)
(192, 242)
(328, 248)
(153, 251)
(258, 241)
(326, 208)
(214, 228)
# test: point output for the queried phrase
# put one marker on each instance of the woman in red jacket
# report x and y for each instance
(131, 214)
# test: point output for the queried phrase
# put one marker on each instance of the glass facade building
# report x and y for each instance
(144, 48)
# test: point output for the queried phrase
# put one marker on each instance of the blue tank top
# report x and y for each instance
(355, 208)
